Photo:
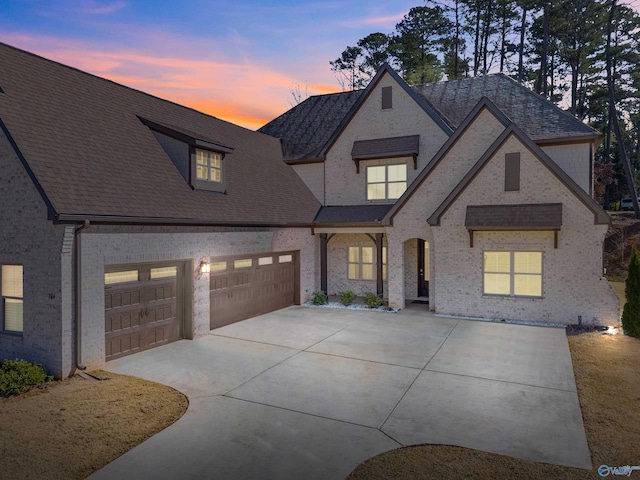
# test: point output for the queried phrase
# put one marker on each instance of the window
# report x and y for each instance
(362, 261)
(120, 277)
(386, 182)
(243, 263)
(12, 298)
(208, 166)
(285, 258)
(517, 274)
(163, 272)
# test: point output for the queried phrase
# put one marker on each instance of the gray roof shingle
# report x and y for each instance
(536, 116)
(82, 138)
(309, 126)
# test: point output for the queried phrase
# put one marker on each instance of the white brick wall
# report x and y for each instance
(411, 221)
(574, 159)
(343, 186)
(572, 274)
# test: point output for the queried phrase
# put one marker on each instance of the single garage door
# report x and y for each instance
(248, 285)
(143, 307)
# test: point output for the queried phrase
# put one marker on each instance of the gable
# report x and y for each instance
(452, 161)
(403, 134)
(541, 181)
(387, 93)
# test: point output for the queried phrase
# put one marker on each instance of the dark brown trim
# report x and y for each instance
(379, 280)
(324, 241)
(569, 140)
(51, 211)
(444, 150)
(71, 218)
(186, 137)
(303, 161)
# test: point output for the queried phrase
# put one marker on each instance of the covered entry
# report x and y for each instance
(245, 286)
(143, 307)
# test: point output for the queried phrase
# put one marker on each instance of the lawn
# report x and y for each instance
(72, 428)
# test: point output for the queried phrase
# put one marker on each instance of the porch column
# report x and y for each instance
(323, 262)
(379, 280)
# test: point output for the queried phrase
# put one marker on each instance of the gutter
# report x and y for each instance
(77, 294)
(124, 220)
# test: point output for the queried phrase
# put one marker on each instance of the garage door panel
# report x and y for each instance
(142, 314)
(237, 294)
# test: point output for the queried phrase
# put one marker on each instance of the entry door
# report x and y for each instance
(423, 268)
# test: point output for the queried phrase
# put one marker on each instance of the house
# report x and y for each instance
(129, 221)
(474, 194)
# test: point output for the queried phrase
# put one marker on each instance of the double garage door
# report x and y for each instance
(144, 304)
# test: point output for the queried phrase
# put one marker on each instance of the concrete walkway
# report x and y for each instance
(311, 393)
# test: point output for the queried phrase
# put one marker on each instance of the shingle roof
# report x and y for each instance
(536, 116)
(306, 128)
(542, 216)
(368, 214)
(386, 147)
(82, 138)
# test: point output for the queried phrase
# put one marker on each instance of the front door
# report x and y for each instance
(423, 268)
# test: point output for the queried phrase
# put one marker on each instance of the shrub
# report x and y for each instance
(20, 376)
(320, 298)
(347, 297)
(631, 311)
(371, 300)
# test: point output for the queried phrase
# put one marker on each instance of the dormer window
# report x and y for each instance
(208, 166)
(199, 159)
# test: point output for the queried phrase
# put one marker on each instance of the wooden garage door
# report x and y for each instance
(249, 285)
(142, 307)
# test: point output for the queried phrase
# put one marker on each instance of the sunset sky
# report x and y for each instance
(234, 59)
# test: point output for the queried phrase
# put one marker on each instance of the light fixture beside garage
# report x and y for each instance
(204, 266)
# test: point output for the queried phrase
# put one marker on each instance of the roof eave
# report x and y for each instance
(74, 218)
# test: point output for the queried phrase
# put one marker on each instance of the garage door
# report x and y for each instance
(143, 307)
(249, 285)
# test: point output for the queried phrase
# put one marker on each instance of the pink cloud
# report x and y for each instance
(246, 92)
(382, 21)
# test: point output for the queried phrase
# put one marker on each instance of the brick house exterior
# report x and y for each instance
(466, 130)
(130, 221)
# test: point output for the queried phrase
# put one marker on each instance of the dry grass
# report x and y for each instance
(607, 372)
(72, 428)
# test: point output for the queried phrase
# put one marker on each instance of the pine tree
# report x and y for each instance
(631, 311)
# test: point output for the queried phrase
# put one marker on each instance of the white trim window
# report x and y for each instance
(512, 273)
(12, 298)
(362, 263)
(386, 182)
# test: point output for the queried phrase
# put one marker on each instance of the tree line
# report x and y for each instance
(583, 55)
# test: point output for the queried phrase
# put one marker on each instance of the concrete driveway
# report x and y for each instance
(311, 393)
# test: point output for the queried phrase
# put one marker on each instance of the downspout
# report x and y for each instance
(77, 289)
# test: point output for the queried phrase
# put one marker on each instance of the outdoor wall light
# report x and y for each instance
(204, 267)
